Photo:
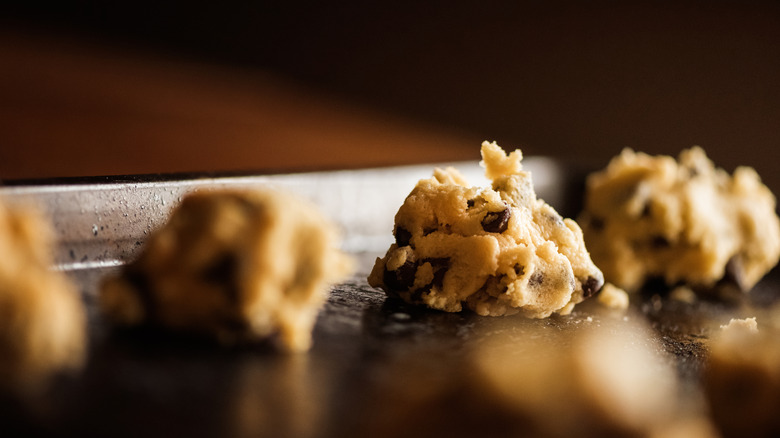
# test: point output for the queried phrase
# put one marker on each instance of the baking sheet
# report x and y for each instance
(157, 385)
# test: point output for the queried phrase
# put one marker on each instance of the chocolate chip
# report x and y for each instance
(222, 270)
(596, 223)
(402, 278)
(470, 203)
(555, 219)
(143, 288)
(416, 296)
(440, 266)
(659, 242)
(519, 269)
(646, 211)
(497, 222)
(402, 236)
(591, 286)
(438, 262)
(537, 278)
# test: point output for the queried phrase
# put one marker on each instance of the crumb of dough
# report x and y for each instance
(238, 266)
(741, 325)
(681, 220)
(496, 250)
(742, 379)
(42, 319)
(613, 297)
(683, 294)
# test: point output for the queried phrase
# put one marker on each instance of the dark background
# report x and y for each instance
(576, 80)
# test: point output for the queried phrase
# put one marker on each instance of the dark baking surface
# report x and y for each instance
(152, 384)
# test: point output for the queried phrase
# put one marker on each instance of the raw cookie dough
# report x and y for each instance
(496, 250)
(684, 221)
(605, 379)
(233, 265)
(742, 379)
(42, 318)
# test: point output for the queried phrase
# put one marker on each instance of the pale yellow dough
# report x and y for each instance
(684, 221)
(42, 319)
(495, 250)
(234, 265)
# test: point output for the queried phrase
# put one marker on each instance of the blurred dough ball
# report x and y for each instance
(237, 266)
(608, 380)
(42, 319)
(742, 380)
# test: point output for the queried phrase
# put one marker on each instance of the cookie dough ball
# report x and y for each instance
(495, 250)
(237, 266)
(42, 319)
(684, 221)
(608, 380)
(742, 379)
(591, 381)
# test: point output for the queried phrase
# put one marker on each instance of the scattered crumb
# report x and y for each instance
(747, 325)
(613, 297)
(683, 294)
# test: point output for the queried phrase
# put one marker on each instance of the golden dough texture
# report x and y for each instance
(683, 220)
(496, 250)
(237, 266)
(42, 319)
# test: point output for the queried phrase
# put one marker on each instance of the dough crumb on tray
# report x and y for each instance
(236, 266)
(43, 324)
(682, 221)
(496, 250)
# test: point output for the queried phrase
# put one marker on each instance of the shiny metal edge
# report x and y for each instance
(106, 224)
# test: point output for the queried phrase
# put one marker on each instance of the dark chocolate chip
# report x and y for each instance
(556, 219)
(222, 270)
(438, 262)
(659, 242)
(646, 211)
(440, 267)
(537, 278)
(402, 236)
(470, 203)
(519, 269)
(402, 278)
(143, 288)
(438, 278)
(596, 223)
(497, 222)
(591, 286)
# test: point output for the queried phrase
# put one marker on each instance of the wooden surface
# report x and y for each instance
(68, 108)
(135, 87)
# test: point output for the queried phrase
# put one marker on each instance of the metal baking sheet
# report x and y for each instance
(153, 385)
